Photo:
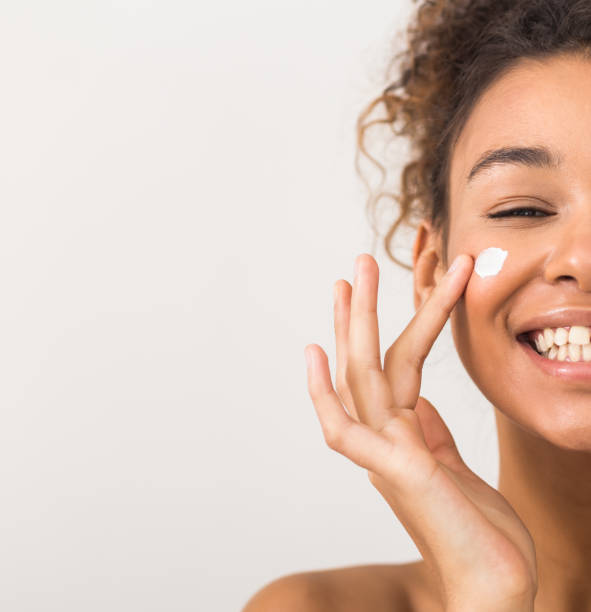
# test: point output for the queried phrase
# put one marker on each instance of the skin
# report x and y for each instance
(543, 422)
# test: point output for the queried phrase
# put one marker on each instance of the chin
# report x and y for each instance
(564, 425)
(553, 408)
(562, 422)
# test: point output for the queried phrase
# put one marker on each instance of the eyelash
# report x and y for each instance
(508, 213)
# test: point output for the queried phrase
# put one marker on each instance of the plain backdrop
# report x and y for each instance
(178, 198)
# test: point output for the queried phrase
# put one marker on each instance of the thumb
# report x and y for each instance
(437, 436)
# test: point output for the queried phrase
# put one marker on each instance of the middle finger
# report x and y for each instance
(369, 386)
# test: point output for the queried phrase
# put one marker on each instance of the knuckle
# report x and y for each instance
(421, 357)
(444, 303)
(416, 360)
(357, 368)
(394, 427)
(373, 478)
(333, 437)
(405, 354)
(517, 577)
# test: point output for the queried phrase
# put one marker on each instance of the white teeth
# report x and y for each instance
(572, 344)
(560, 336)
(562, 352)
(578, 335)
(574, 351)
(548, 336)
(570, 352)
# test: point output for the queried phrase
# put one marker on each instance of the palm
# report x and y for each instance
(479, 520)
(465, 529)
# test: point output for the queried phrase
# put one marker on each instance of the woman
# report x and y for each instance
(495, 96)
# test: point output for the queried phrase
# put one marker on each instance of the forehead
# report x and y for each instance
(537, 102)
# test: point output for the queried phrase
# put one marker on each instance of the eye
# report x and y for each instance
(519, 212)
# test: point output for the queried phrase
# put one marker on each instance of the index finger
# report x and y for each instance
(403, 361)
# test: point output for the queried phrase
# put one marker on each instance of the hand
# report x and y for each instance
(465, 529)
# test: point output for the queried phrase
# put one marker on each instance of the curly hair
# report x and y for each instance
(455, 50)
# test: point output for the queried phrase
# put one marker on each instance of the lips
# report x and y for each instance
(567, 371)
(563, 317)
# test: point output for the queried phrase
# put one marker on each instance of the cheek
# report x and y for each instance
(481, 337)
(495, 276)
(478, 321)
(489, 262)
(493, 279)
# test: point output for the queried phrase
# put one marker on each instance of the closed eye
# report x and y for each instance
(519, 212)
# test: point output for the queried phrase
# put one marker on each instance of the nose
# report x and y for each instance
(570, 260)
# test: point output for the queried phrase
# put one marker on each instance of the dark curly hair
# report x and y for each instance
(456, 49)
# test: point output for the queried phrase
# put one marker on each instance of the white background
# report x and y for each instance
(178, 197)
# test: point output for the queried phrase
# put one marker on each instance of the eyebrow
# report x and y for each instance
(532, 157)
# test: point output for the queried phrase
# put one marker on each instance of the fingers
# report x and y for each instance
(369, 387)
(364, 342)
(403, 361)
(342, 313)
(373, 395)
(357, 441)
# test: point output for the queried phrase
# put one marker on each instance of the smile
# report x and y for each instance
(570, 343)
(560, 351)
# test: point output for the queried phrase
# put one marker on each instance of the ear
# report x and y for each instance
(428, 265)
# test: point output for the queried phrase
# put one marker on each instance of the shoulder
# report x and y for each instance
(295, 592)
(380, 588)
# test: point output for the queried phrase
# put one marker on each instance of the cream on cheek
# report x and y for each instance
(484, 296)
(478, 322)
(490, 261)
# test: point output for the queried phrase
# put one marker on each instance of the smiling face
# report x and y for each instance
(546, 106)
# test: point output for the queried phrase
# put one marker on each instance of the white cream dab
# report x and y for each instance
(489, 262)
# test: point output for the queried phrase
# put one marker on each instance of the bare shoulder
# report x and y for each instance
(403, 587)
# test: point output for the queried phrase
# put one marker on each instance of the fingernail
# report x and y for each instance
(454, 265)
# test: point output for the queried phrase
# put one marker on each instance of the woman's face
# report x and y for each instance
(547, 271)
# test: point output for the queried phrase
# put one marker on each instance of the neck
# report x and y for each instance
(550, 489)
